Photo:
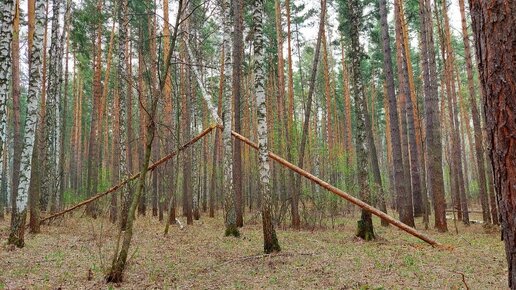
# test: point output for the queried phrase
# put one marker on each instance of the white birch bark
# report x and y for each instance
(207, 97)
(6, 35)
(229, 197)
(269, 234)
(122, 92)
(52, 110)
(18, 225)
(259, 79)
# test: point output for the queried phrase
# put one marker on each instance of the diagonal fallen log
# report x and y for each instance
(134, 176)
(278, 159)
(342, 194)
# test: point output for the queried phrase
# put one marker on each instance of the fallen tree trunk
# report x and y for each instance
(278, 159)
(133, 177)
(342, 194)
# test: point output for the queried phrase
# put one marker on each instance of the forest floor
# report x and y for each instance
(74, 253)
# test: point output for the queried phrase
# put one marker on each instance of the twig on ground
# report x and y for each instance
(463, 279)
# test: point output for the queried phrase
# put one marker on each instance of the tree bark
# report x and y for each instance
(93, 170)
(16, 236)
(433, 145)
(365, 224)
(478, 142)
(230, 198)
(308, 108)
(6, 36)
(237, 50)
(270, 240)
(494, 25)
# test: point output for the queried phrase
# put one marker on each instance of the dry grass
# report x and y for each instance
(75, 253)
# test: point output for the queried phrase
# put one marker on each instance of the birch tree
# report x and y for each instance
(123, 23)
(270, 241)
(365, 224)
(16, 236)
(229, 199)
(52, 110)
(6, 34)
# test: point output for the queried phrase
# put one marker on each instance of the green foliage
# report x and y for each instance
(71, 197)
(232, 231)
(474, 188)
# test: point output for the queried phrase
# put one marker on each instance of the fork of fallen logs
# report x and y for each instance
(281, 161)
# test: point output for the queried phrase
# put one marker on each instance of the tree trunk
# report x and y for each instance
(494, 25)
(478, 143)
(365, 224)
(405, 203)
(48, 185)
(63, 107)
(230, 199)
(270, 241)
(115, 165)
(433, 145)
(16, 236)
(238, 49)
(6, 35)
(216, 145)
(124, 71)
(410, 109)
(187, 157)
(93, 170)
(308, 108)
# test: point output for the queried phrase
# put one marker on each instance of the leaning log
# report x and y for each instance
(133, 177)
(342, 194)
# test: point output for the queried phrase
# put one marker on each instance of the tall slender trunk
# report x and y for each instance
(379, 196)
(405, 203)
(308, 108)
(17, 232)
(270, 241)
(93, 162)
(126, 106)
(6, 35)
(49, 180)
(230, 199)
(412, 118)
(168, 117)
(365, 224)
(65, 38)
(142, 107)
(187, 156)
(17, 142)
(216, 146)
(433, 145)
(478, 142)
(347, 109)
(35, 179)
(237, 50)
(115, 165)
(153, 86)
(120, 257)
